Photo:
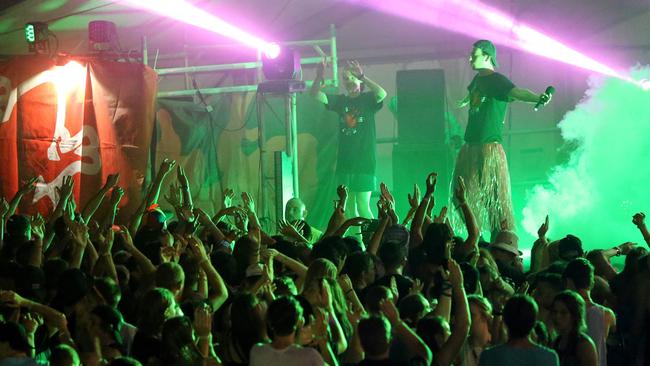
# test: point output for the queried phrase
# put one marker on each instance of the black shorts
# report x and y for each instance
(357, 182)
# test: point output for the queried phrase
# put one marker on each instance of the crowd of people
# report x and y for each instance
(187, 287)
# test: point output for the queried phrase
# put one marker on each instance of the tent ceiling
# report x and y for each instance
(360, 31)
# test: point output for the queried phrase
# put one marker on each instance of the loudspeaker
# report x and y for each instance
(412, 164)
(421, 107)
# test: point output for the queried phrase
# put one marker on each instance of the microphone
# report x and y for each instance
(549, 91)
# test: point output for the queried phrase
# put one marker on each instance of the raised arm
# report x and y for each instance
(143, 262)
(538, 253)
(418, 219)
(338, 216)
(116, 197)
(639, 220)
(105, 265)
(220, 294)
(316, 86)
(92, 205)
(22, 191)
(154, 192)
(208, 225)
(188, 204)
(449, 350)
(471, 243)
(413, 343)
(357, 71)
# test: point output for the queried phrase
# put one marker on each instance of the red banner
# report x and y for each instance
(84, 119)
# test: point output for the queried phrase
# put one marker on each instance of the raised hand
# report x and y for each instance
(228, 195)
(414, 200)
(167, 165)
(116, 195)
(112, 180)
(38, 226)
(459, 191)
(203, 320)
(455, 274)
(202, 216)
(320, 68)
(288, 229)
(385, 193)
(249, 203)
(29, 186)
(78, 231)
(382, 209)
(355, 69)
(67, 185)
(389, 310)
(31, 321)
(126, 237)
(416, 287)
(196, 247)
(543, 229)
(345, 283)
(440, 219)
(432, 178)
(638, 219)
(182, 177)
(342, 192)
(106, 244)
(174, 197)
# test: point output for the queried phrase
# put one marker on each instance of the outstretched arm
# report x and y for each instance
(525, 95)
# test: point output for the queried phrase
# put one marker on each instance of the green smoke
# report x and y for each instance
(607, 178)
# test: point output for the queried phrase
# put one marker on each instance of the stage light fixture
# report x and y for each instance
(37, 35)
(102, 36)
(284, 66)
(272, 51)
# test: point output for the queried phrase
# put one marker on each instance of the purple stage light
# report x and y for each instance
(273, 51)
(478, 20)
(188, 13)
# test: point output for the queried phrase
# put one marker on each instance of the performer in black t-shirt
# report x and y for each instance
(482, 161)
(356, 161)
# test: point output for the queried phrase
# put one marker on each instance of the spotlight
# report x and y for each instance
(37, 36)
(280, 64)
(102, 35)
(272, 51)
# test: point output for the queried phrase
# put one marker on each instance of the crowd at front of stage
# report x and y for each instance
(187, 287)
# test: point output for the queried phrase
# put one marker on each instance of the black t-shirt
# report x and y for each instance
(357, 135)
(488, 100)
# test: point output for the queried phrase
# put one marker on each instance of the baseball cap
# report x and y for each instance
(488, 48)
